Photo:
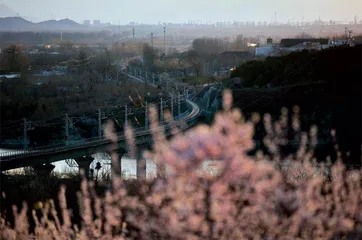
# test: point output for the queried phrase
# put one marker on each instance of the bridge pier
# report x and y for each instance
(141, 166)
(121, 154)
(43, 170)
(84, 163)
(116, 168)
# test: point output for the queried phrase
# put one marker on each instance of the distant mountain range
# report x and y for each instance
(21, 24)
(12, 21)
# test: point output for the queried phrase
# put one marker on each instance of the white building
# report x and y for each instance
(267, 49)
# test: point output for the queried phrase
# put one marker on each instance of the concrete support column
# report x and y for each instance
(84, 163)
(118, 169)
(141, 166)
(43, 170)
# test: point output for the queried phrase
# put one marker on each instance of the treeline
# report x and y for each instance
(302, 67)
(34, 38)
(201, 52)
(88, 80)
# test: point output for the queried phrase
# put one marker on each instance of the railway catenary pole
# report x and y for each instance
(125, 116)
(146, 115)
(66, 128)
(99, 123)
(161, 110)
(179, 104)
(25, 134)
(172, 105)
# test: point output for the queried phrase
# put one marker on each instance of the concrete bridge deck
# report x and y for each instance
(49, 154)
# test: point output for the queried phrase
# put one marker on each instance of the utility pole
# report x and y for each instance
(133, 32)
(99, 123)
(25, 134)
(152, 40)
(164, 39)
(66, 129)
(350, 34)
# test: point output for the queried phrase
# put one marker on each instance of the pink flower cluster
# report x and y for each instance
(249, 197)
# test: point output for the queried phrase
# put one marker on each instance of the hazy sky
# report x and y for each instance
(153, 11)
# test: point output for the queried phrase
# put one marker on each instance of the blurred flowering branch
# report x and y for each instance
(248, 198)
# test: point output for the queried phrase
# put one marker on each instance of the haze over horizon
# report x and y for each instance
(115, 11)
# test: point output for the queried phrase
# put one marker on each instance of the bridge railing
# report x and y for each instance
(95, 141)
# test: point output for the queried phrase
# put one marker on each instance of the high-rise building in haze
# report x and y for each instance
(87, 22)
(96, 22)
(355, 19)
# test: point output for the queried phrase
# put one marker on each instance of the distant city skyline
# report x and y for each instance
(143, 11)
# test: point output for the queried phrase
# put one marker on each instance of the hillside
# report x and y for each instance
(64, 24)
(330, 96)
(15, 23)
(19, 23)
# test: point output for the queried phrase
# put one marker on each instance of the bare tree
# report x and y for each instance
(66, 46)
(14, 60)
(208, 46)
(149, 55)
(195, 59)
(239, 44)
(304, 35)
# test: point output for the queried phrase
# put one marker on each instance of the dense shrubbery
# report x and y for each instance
(313, 80)
(304, 67)
(248, 198)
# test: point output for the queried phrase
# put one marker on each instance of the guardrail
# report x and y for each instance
(97, 141)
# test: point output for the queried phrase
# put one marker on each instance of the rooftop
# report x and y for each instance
(290, 42)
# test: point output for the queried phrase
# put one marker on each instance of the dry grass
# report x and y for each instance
(249, 198)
